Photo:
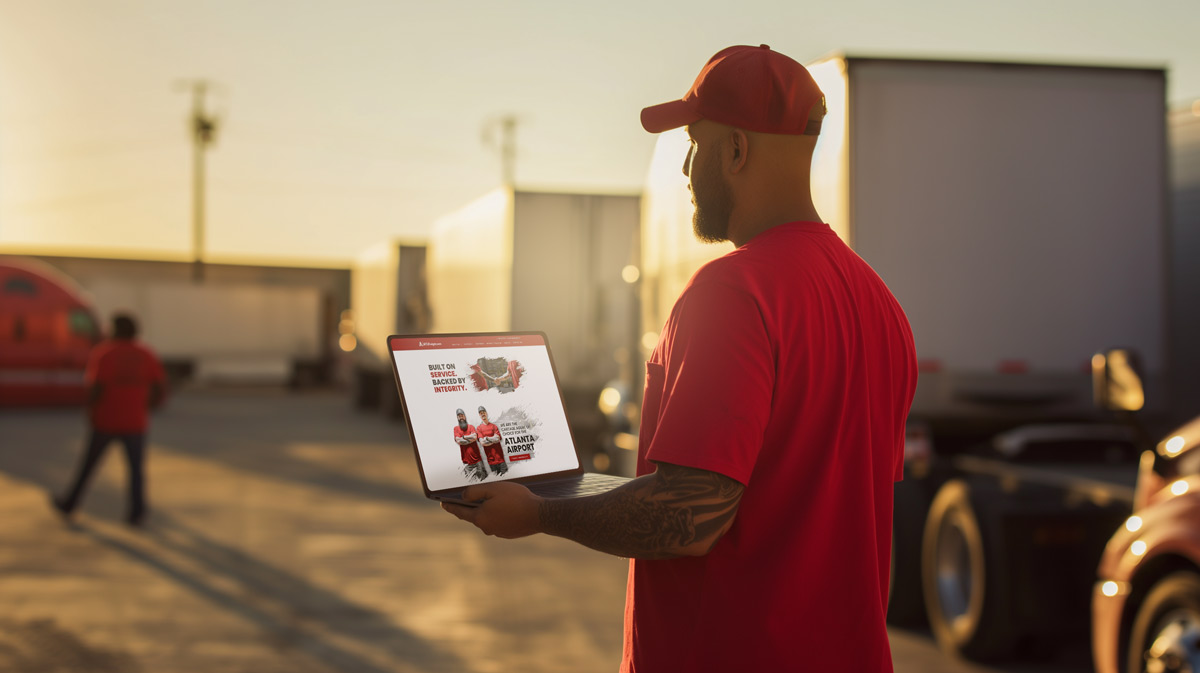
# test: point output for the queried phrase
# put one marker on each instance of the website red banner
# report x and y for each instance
(436, 341)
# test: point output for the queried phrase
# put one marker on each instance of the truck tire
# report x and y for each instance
(906, 602)
(964, 579)
(1167, 625)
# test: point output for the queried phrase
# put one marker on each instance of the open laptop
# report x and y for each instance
(487, 407)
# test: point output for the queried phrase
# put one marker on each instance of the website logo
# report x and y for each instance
(429, 343)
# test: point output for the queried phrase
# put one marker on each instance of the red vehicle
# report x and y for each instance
(47, 329)
(1146, 603)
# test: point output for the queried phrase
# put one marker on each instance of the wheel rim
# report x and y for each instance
(955, 579)
(1175, 643)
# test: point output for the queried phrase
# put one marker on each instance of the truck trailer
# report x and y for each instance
(1018, 212)
(229, 333)
(387, 296)
(552, 262)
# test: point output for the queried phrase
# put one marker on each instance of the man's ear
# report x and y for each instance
(739, 147)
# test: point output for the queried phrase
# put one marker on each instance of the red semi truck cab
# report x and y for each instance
(47, 329)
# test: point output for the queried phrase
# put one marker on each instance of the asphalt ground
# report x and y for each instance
(289, 533)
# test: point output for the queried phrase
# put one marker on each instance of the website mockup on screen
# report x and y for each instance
(512, 423)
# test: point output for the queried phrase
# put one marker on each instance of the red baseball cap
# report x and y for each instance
(752, 88)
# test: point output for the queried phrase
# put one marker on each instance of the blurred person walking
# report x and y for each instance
(125, 380)
(759, 527)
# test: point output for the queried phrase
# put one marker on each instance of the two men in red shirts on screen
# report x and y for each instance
(470, 437)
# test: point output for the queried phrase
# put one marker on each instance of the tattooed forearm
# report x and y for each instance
(675, 511)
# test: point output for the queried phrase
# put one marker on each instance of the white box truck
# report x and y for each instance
(1018, 212)
(517, 260)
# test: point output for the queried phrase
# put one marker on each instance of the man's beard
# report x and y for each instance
(462, 424)
(714, 206)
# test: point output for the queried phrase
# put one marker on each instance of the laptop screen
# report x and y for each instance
(512, 423)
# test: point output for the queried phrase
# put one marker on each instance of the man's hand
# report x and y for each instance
(675, 511)
(508, 510)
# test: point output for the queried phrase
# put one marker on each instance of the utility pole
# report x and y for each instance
(507, 144)
(203, 128)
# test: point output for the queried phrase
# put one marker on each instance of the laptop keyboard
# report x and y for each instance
(588, 484)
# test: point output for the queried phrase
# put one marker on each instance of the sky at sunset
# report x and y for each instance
(344, 123)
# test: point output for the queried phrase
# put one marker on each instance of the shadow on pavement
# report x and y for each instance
(248, 433)
(42, 645)
(268, 460)
(253, 434)
(293, 613)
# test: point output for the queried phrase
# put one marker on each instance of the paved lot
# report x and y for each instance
(289, 533)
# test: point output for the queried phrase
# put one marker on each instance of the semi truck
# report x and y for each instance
(1018, 212)
(47, 330)
(559, 263)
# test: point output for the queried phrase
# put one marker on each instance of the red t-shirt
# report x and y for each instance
(125, 371)
(469, 452)
(788, 366)
(494, 452)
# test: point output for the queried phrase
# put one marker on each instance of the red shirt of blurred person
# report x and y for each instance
(126, 379)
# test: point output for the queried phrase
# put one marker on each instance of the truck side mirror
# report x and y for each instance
(1117, 380)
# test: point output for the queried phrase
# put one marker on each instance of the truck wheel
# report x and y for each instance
(906, 604)
(965, 583)
(1166, 631)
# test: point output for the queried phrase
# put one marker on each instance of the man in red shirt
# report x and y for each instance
(489, 437)
(467, 438)
(759, 529)
(125, 380)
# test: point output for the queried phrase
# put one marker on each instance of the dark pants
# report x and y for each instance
(135, 454)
